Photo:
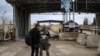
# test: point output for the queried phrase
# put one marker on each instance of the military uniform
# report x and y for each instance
(44, 45)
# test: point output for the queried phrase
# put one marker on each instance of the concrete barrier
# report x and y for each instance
(98, 51)
(81, 39)
(93, 41)
(68, 35)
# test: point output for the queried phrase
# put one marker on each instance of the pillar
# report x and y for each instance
(64, 19)
(24, 22)
(98, 19)
(15, 14)
(98, 22)
(27, 22)
(21, 21)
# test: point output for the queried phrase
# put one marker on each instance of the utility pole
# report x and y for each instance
(67, 17)
(3, 21)
(73, 10)
(64, 17)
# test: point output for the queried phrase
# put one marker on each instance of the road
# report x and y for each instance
(58, 48)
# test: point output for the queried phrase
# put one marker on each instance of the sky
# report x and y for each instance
(4, 6)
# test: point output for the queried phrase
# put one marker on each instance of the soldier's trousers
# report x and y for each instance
(44, 46)
(41, 50)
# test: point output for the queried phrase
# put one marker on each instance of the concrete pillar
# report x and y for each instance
(27, 20)
(21, 21)
(98, 22)
(98, 19)
(15, 16)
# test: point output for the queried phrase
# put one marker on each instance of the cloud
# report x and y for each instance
(4, 6)
(2, 2)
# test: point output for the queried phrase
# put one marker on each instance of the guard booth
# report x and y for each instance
(70, 26)
(69, 31)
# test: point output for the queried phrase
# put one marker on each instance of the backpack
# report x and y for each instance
(28, 40)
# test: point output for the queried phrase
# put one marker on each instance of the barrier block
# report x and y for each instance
(68, 35)
(81, 39)
(93, 41)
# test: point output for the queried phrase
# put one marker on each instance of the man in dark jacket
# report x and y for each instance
(35, 35)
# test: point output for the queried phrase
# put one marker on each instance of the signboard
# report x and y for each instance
(72, 25)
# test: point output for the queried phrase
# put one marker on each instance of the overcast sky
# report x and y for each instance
(4, 6)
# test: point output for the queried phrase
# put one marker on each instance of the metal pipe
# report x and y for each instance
(76, 5)
(69, 15)
(64, 17)
(86, 6)
(14, 16)
(3, 21)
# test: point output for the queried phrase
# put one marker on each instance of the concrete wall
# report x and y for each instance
(98, 51)
(68, 35)
(81, 39)
(98, 19)
(93, 41)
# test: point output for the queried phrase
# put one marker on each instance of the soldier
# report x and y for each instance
(44, 43)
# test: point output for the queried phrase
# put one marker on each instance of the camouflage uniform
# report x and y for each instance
(44, 45)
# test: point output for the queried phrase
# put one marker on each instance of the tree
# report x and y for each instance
(94, 21)
(85, 22)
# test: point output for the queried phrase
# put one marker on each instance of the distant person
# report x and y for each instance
(35, 36)
(10, 34)
(13, 34)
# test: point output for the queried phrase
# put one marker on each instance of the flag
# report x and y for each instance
(66, 4)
